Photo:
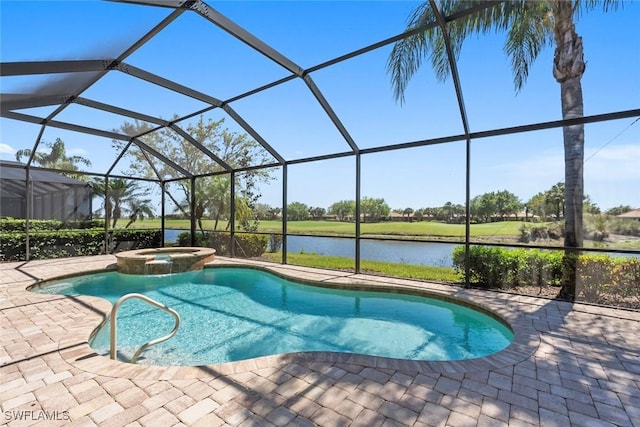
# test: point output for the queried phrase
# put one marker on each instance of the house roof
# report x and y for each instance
(635, 214)
(14, 174)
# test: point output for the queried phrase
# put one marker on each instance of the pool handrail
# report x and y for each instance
(114, 333)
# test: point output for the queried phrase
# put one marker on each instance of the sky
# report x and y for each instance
(196, 53)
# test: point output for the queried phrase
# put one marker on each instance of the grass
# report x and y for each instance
(503, 231)
(423, 228)
(406, 271)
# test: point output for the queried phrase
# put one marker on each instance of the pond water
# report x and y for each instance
(418, 253)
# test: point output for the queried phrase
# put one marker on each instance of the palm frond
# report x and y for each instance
(407, 54)
(583, 6)
(527, 37)
(405, 59)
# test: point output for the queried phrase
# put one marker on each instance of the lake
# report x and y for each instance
(418, 253)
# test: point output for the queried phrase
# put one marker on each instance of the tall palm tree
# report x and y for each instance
(531, 26)
(55, 159)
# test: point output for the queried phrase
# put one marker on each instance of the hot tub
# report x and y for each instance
(164, 260)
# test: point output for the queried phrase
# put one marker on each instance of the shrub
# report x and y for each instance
(52, 244)
(601, 279)
(125, 239)
(531, 233)
(624, 226)
(66, 243)
(247, 245)
(608, 280)
(495, 267)
(184, 239)
(8, 225)
(251, 245)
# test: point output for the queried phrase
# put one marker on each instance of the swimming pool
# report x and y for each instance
(231, 314)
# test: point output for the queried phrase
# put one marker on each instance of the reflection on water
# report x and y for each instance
(418, 253)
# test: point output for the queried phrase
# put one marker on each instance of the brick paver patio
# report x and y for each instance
(568, 365)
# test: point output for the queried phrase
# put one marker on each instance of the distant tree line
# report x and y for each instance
(492, 206)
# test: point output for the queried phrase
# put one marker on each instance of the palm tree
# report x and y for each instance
(555, 196)
(125, 196)
(531, 26)
(56, 159)
(138, 208)
(407, 212)
(449, 208)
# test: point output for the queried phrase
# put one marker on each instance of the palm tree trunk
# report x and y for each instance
(574, 162)
(568, 67)
(115, 214)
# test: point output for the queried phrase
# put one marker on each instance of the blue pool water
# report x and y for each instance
(231, 314)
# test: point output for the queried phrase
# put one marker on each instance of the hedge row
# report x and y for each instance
(67, 243)
(11, 225)
(495, 267)
(602, 279)
(247, 245)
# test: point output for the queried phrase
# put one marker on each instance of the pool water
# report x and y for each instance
(231, 314)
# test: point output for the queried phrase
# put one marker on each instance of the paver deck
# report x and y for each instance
(569, 365)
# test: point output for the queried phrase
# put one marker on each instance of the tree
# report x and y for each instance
(590, 206)
(407, 212)
(343, 209)
(617, 210)
(213, 193)
(125, 196)
(555, 196)
(448, 208)
(507, 204)
(275, 213)
(374, 209)
(537, 205)
(483, 207)
(138, 209)
(56, 158)
(263, 211)
(212, 200)
(297, 211)
(317, 213)
(531, 26)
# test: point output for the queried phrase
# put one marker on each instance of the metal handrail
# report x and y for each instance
(114, 333)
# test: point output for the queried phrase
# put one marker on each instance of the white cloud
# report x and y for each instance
(613, 164)
(7, 149)
(611, 175)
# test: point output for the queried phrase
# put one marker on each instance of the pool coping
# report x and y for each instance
(75, 349)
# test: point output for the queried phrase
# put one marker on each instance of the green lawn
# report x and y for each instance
(407, 271)
(424, 228)
(503, 231)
